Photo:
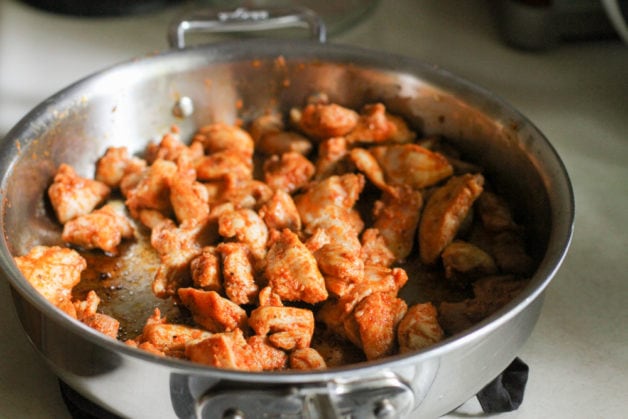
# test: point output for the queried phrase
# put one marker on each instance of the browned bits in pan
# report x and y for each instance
(302, 241)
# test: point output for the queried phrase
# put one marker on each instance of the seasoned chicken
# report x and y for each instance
(213, 312)
(267, 297)
(72, 195)
(306, 359)
(494, 212)
(189, 198)
(152, 190)
(87, 314)
(103, 228)
(340, 260)
(490, 294)
(288, 172)
(464, 262)
(419, 328)
(270, 136)
(206, 270)
(53, 272)
(367, 164)
(412, 165)
(227, 350)
(266, 355)
(238, 273)
(114, 164)
(373, 324)
(280, 212)
(322, 121)
(331, 158)
(287, 328)
(396, 217)
(375, 125)
(341, 191)
(247, 227)
(444, 212)
(169, 339)
(219, 137)
(169, 148)
(374, 250)
(377, 279)
(292, 272)
(221, 164)
(241, 193)
(176, 247)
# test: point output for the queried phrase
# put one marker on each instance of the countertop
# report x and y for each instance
(576, 93)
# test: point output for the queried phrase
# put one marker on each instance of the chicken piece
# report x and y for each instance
(419, 328)
(341, 191)
(509, 251)
(221, 164)
(287, 328)
(227, 350)
(464, 262)
(114, 164)
(219, 137)
(206, 270)
(280, 212)
(213, 312)
(288, 172)
(444, 212)
(238, 273)
(494, 212)
(367, 164)
(266, 355)
(103, 228)
(331, 157)
(132, 176)
(340, 261)
(248, 228)
(490, 294)
(177, 247)
(151, 218)
(87, 314)
(374, 250)
(267, 297)
(169, 339)
(375, 125)
(152, 190)
(396, 217)
(292, 271)
(189, 198)
(242, 193)
(412, 165)
(322, 121)
(270, 137)
(373, 324)
(377, 279)
(53, 272)
(72, 195)
(306, 359)
(169, 148)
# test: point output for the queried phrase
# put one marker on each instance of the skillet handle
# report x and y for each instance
(245, 20)
(383, 397)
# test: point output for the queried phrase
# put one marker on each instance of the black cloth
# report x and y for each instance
(505, 392)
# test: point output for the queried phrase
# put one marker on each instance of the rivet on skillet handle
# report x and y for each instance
(244, 20)
(380, 397)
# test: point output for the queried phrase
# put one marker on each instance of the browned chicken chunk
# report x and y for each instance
(444, 212)
(72, 195)
(103, 228)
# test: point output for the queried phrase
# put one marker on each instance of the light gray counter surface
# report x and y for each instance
(577, 94)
